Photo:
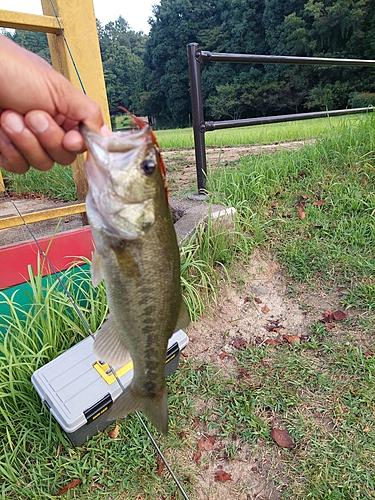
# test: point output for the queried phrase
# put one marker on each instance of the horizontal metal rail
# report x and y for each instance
(204, 55)
(200, 126)
(245, 122)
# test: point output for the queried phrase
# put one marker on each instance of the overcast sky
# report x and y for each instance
(135, 12)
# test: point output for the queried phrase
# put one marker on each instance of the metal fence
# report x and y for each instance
(200, 126)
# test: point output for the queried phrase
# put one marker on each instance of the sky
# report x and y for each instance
(135, 12)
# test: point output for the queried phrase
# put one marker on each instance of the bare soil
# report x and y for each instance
(256, 306)
(181, 164)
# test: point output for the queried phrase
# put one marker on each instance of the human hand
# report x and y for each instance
(39, 112)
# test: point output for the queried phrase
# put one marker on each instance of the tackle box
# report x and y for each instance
(78, 389)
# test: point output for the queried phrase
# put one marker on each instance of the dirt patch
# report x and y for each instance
(246, 308)
(181, 164)
(249, 478)
(253, 308)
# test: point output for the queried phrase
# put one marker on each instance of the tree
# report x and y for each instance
(149, 74)
(227, 102)
(274, 14)
(31, 40)
(122, 50)
(175, 24)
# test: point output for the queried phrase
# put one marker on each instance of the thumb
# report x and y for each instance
(78, 107)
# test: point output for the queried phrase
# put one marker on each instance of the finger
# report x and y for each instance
(74, 142)
(78, 107)
(50, 136)
(10, 158)
(25, 141)
(106, 131)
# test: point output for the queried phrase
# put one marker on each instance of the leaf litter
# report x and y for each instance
(282, 438)
(237, 321)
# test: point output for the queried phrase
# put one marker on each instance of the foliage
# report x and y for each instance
(329, 28)
(31, 40)
(314, 207)
(175, 24)
(361, 99)
(148, 74)
(122, 51)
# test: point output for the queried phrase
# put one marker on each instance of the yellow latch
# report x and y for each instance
(106, 373)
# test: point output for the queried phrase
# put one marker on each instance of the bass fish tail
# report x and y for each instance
(155, 409)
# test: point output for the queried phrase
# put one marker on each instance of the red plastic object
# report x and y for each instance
(63, 250)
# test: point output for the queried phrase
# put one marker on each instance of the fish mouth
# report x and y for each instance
(99, 148)
(127, 220)
(96, 170)
(115, 143)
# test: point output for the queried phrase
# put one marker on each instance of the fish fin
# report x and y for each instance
(155, 409)
(109, 346)
(183, 317)
(96, 269)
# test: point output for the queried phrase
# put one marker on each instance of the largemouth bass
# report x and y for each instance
(137, 255)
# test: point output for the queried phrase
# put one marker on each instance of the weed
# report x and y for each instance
(313, 207)
(320, 391)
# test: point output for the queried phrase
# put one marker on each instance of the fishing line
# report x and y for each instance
(178, 484)
(54, 270)
(75, 306)
(68, 48)
(86, 325)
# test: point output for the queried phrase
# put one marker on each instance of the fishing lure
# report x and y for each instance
(140, 123)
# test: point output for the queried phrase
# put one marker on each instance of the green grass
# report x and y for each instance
(257, 134)
(334, 183)
(321, 391)
(58, 182)
(36, 459)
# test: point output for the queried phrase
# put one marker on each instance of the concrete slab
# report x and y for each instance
(196, 212)
(20, 234)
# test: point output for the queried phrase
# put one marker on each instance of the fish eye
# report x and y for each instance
(148, 167)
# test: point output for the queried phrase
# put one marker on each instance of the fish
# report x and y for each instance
(137, 255)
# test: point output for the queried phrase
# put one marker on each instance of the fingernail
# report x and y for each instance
(38, 122)
(75, 146)
(14, 122)
(73, 142)
(105, 131)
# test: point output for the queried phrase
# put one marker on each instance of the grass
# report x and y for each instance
(320, 391)
(331, 184)
(30, 336)
(257, 134)
(315, 391)
(58, 182)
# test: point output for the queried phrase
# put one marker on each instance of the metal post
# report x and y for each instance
(197, 115)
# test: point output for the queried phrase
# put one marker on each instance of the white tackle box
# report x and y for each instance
(78, 389)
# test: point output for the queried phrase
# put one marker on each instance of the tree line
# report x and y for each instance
(149, 73)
